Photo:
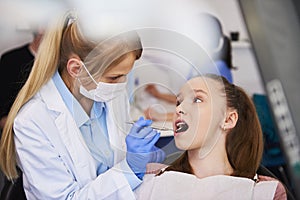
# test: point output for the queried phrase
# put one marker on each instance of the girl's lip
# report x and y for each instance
(176, 134)
(175, 124)
(176, 127)
(179, 120)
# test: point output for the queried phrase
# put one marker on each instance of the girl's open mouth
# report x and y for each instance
(181, 126)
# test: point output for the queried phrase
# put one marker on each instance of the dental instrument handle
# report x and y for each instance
(154, 127)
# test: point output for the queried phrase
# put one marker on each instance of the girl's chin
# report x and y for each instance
(182, 146)
(181, 140)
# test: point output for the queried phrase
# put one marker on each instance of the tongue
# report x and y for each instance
(182, 128)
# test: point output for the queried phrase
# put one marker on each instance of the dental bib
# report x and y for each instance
(178, 185)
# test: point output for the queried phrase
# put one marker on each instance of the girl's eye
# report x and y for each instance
(197, 100)
(178, 103)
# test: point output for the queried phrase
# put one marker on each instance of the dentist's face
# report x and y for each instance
(199, 114)
(118, 72)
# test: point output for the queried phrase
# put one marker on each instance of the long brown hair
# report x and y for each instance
(59, 42)
(244, 143)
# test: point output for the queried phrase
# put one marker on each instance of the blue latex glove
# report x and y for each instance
(141, 147)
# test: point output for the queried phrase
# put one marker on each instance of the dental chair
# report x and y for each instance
(264, 171)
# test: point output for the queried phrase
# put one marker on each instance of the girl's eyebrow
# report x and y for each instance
(195, 91)
(200, 91)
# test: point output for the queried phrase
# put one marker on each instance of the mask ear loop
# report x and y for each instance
(88, 73)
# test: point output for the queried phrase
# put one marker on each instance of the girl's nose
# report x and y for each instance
(179, 110)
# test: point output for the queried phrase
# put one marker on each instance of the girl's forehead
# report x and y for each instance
(212, 88)
(198, 83)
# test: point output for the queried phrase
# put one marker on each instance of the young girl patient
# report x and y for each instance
(216, 124)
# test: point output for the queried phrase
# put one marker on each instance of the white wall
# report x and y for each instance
(19, 17)
(227, 11)
(12, 39)
(247, 74)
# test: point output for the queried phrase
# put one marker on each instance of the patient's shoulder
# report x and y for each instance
(280, 192)
(155, 168)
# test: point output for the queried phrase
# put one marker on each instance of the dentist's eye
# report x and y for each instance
(197, 100)
(114, 78)
(117, 79)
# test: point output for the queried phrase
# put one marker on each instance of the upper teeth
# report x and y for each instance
(180, 123)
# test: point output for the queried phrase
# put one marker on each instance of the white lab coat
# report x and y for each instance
(53, 155)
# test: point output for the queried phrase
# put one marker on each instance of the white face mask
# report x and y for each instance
(104, 92)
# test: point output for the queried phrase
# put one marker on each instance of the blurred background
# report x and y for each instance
(17, 18)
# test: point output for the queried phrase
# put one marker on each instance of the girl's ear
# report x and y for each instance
(231, 120)
(74, 67)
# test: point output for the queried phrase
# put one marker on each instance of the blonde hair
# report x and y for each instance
(59, 42)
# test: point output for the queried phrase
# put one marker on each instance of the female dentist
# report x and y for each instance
(66, 130)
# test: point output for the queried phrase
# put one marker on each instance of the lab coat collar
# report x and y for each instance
(51, 97)
(73, 105)
(71, 102)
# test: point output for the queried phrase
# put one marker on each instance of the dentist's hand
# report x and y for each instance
(141, 147)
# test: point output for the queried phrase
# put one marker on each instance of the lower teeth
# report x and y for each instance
(182, 128)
